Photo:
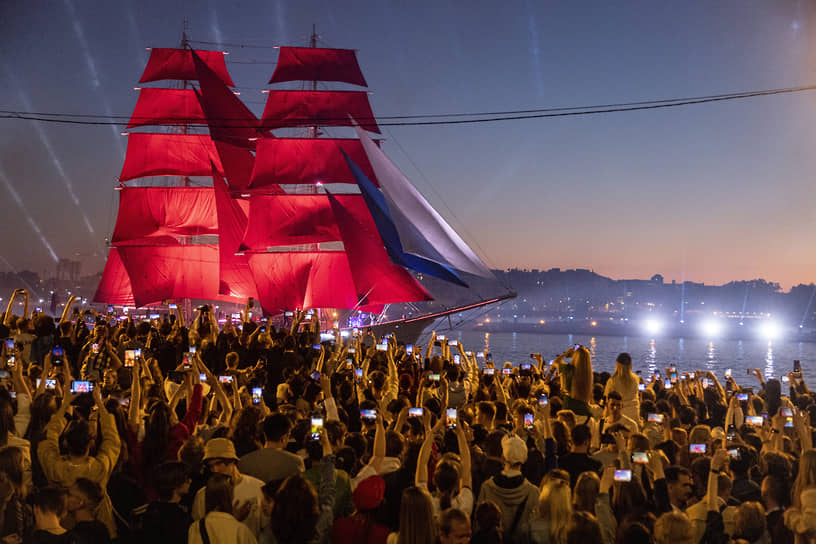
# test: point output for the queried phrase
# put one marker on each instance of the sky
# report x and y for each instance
(707, 193)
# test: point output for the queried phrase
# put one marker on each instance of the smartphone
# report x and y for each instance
(130, 358)
(358, 372)
(56, 356)
(125, 402)
(673, 377)
(186, 360)
(480, 355)
(727, 372)
(202, 378)
(349, 364)
(450, 418)
(469, 353)
(257, 392)
(453, 342)
(457, 360)
(416, 412)
(797, 366)
(787, 412)
(789, 422)
(344, 334)
(315, 375)
(667, 383)
(441, 338)
(576, 347)
(81, 386)
(543, 400)
(528, 421)
(95, 348)
(10, 344)
(225, 379)
(317, 347)
(742, 397)
(192, 349)
(382, 347)
(641, 387)
(734, 453)
(489, 371)
(288, 314)
(640, 457)
(756, 421)
(138, 353)
(507, 371)
(655, 418)
(697, 448)
(370, 416)
(433, 377)
(526, 366)
(409, 349)
(623, 475)
(154, 317)
(4, 374)
(316, 428)
(10, 362)
(173, 306)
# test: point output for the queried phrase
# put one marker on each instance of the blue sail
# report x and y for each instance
(375, 201)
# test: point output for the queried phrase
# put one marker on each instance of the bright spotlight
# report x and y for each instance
(712, 328)
(653, 326)
(769, 330)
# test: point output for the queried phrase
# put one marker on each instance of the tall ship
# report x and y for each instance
(272, 208)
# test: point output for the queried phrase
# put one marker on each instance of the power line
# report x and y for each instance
(484, 117)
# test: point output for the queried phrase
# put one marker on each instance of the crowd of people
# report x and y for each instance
(121, 430)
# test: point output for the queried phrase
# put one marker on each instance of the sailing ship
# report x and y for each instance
(293, 222)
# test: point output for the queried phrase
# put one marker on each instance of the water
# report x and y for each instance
(774, 359)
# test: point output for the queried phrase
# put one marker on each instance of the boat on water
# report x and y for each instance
(249, 207)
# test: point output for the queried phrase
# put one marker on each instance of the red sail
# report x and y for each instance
(178, 64)
(292, 219)
(166, 107)
(228, 118)
(114, 287)
(316, 64)
(237, 165)
(307, 160)
(149, 214)
(303, 280)
(154, 154)
(377, 279)
(326, 108)
(161, 273)
(235, 275)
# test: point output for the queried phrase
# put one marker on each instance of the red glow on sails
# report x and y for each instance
(234, 273)
(178, 64)
(286, 220)
(114, 287)
(156, 154)
(303, 280)
(325, 108)
(166, 107)
(149, 214)
(376, 278)
(307, 160)
(228, 118)
(318, 64)
(160, 273)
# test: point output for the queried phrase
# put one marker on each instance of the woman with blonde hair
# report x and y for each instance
(416, 523)
(673, 528)
(806, 478)
(625, 382)
(553, 514)
(576, 380)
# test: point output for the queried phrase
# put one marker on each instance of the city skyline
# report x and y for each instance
(708, 193)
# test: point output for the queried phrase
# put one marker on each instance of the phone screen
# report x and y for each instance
(130, 357)
(697, 448)
(369, 415)
(623, 475)
(640, 457)
(450, 418)
(656, 418)
(81, 386)
(528, 421)
(256, 395)
(316, 428)
(543, 399)
(416, 412)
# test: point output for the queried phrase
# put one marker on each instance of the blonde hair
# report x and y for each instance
(806, 477)
(416, 523)
(624, 375)
(581, 388)
(555, 507)
(586, 492)
(673, 528)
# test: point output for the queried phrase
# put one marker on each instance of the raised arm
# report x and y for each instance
(421, 478)
(135, 398)
(10, 308)
(66, 312)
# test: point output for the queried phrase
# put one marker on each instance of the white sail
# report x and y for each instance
(422, 231)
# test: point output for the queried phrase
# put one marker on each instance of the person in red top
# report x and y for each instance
(163, 433)
(360, 527)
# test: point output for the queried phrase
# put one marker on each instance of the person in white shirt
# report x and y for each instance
(219, 523)
(625, 382)
(219, 455)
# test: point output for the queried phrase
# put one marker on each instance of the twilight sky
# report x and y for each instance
(710, 193)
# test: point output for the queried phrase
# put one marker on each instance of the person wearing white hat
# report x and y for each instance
(220, 457)
(515, 496)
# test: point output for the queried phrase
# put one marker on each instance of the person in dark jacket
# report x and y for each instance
(165, 520)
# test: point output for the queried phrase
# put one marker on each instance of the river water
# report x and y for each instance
(775, 359)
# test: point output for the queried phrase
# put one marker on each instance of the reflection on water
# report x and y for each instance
(687, 354)
(769, 362)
